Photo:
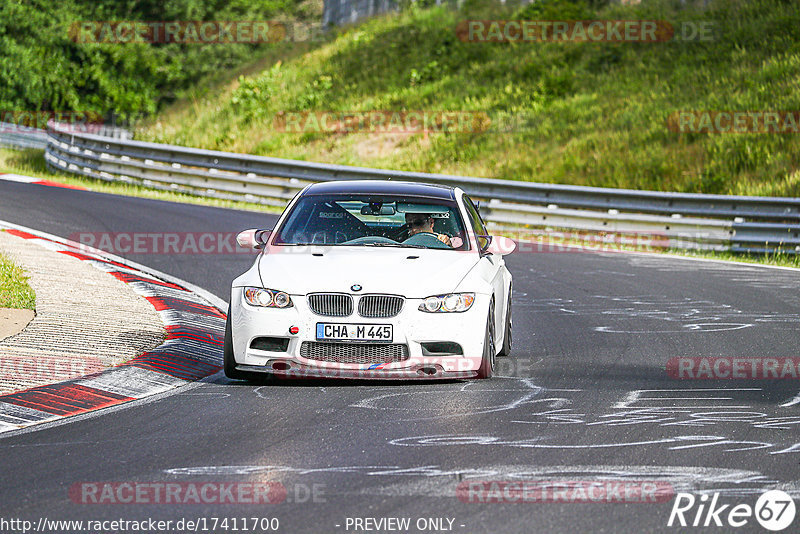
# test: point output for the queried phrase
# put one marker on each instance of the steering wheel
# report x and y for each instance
(425, 239)
(398, 234)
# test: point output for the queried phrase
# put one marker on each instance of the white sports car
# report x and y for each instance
(372, 279)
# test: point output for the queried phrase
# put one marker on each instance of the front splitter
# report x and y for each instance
(304, 371)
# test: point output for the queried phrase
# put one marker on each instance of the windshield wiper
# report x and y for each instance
(310, 244)
(398, 245)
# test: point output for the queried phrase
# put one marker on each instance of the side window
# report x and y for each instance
(474, 217)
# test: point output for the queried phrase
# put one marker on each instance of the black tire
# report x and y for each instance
(486, 369)
(229, 363)
(505, 350)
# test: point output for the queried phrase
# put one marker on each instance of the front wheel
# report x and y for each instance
(486, 369)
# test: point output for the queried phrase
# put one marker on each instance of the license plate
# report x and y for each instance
(354, 332)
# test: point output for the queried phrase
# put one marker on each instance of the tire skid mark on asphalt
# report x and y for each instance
(192, 349)
(664, 314)
(526, 395)
(791, 402)
(670, 407)
(438, 440)
(667, 408)
(692, 327)
(679, 408)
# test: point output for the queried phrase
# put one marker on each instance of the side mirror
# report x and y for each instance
(253, 238)
(500, 245)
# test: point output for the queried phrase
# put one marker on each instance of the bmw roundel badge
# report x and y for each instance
(356, 287)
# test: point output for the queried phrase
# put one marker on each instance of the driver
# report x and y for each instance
(422, 223)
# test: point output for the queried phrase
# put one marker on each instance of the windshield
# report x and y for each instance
(374, 221)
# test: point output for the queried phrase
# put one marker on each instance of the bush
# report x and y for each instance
(43, 68)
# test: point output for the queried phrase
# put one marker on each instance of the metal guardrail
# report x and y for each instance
(13, 136)
(683, 220)
(339, 12)
(18, 136)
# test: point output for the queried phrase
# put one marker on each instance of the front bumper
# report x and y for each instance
(412, 328)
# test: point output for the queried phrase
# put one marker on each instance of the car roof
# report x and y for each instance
(381, 187)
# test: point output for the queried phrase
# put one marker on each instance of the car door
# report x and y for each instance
(491, 267)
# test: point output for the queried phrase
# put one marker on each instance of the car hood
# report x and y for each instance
(413, 273)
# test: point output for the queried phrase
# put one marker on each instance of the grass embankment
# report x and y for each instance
(592, 113)
(14, 289)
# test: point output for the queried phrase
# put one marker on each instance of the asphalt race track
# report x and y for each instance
(585, 396)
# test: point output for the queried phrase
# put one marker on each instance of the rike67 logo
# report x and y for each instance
(774, 510)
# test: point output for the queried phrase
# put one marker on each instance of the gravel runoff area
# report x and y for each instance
(86, 320)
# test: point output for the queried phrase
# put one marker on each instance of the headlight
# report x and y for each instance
(453, 302)
(267, 298)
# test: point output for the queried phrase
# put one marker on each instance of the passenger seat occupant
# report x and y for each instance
(422, 223)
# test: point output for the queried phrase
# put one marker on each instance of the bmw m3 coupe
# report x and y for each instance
(372, 279)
